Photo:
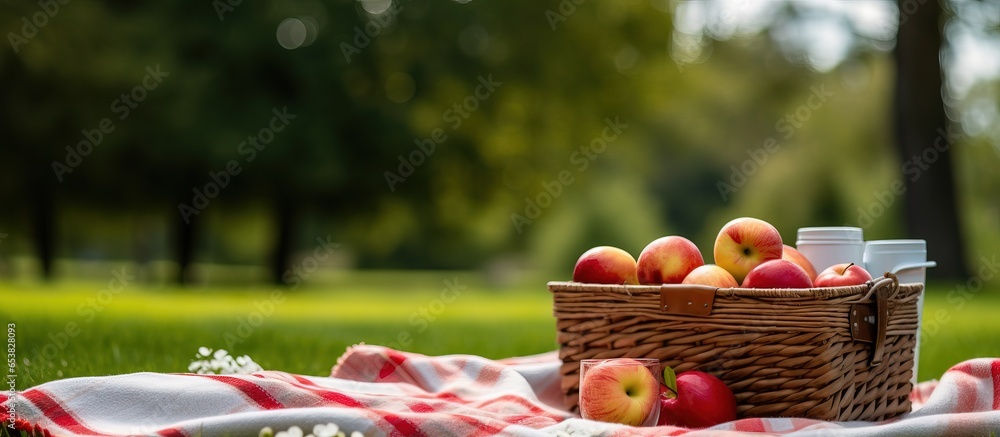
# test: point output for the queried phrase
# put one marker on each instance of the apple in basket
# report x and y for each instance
(668, 260)
(793, 255)
(619, 391)
(842, 275)
(605, 265)
(695, 399)
(778, 273)
(711, 274)
(746, 243)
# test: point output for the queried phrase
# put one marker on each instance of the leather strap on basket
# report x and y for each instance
(869, 324)
(687, 299)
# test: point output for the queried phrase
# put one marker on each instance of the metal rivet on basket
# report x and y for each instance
(705, 305)
(666, 306)
(689, 302)
(855, 312)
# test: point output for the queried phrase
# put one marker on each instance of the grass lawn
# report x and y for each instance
(65, 329)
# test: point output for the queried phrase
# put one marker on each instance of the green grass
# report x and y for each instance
(143, 329)
(151, 328)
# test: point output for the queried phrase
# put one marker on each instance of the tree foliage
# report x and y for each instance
(518, 94)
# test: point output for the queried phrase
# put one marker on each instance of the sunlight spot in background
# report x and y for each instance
(375, 7)
(696, 22)
(820, 43)
(291, 33)
(870, 19)
(821, 38)
(973, 56)
(824, 34)
(400, 87)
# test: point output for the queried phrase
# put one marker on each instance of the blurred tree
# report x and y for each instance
(924, 137)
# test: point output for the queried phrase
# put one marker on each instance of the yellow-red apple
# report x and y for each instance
(777, 273)
(712, 275)
(841, 275)
(620, 391)
(605, 265)
(745, 243)
(793, 255)
(668, 260)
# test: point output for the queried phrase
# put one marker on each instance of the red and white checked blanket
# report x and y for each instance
(380, 391)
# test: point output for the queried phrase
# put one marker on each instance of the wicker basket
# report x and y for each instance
(839, 353)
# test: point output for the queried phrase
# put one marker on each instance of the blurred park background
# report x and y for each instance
(227, 143)
(701, 86)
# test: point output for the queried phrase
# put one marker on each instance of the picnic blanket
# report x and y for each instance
(381, 391)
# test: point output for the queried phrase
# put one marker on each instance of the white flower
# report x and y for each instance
(294, 431)
(221, 363)
(328, 430)
(320, 430)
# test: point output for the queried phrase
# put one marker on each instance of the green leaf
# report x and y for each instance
(670, 380)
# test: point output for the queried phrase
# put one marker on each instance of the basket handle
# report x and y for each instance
(888, 281)
(870, 326)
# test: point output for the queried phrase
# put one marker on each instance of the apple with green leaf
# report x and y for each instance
(695, 399)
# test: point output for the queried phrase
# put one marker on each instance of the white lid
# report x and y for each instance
(896, 246)
(831, 233)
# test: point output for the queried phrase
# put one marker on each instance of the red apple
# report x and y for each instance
(746, 243)
(777, 273)
(842, 275)
(793, 255)
(699, 401)
(712, 275)
(605, 265)
(668, 260)
(619, 391)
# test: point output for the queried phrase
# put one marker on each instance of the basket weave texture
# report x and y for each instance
(783, 352)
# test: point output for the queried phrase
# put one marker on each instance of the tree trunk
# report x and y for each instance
(185, 239)
(920, 121)
(284, 235)
(44, 230)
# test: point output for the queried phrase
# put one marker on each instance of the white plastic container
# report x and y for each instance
(907, 259)
(828, 246)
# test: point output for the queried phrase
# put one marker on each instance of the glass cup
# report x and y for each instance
(620, 390)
